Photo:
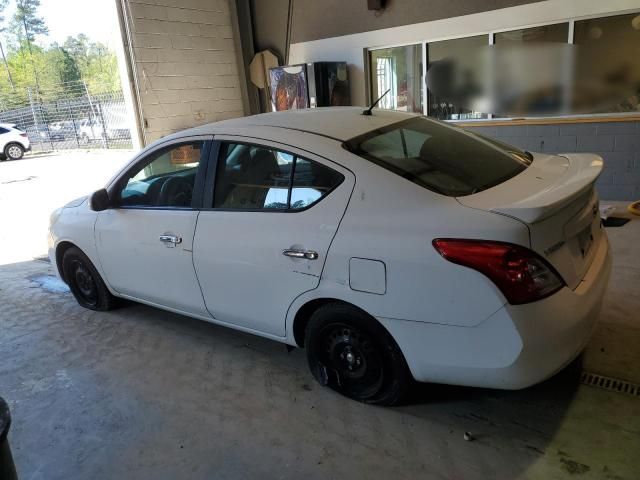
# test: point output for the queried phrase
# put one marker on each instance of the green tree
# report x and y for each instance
(98, 65)
(26, 17)
(56, 71)
(27, 21)
(67, 67)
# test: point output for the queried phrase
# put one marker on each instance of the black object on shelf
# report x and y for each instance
(7, 467)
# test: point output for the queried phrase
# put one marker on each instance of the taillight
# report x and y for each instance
(23, 135)
(520, 274)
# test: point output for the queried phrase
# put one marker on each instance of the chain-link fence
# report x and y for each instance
(74, 118)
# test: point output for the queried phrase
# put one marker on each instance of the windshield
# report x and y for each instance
(440, 157)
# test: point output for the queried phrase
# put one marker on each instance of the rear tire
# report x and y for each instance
(85, 282)
(14, 151)
(353, 354)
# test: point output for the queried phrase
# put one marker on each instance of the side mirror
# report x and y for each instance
(99, 200)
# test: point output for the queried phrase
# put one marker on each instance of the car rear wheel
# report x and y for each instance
(14, 151)
(354, 355)
(85, 282)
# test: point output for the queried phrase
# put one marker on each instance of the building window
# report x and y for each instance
(548, 70)
(607, 72)
(532, 68)
(452, 77)
(558, 33)
(399, 70)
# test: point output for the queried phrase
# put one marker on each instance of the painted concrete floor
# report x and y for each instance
(145, 394)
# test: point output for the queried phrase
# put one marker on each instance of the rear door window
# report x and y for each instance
(252, 177)
(440, 157)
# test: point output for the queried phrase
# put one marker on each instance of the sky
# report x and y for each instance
(95, 18)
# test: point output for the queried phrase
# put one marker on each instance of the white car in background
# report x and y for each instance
(93, 130)
(13, 142)
(392, 247)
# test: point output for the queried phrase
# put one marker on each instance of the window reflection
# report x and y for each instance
(311, 182)
(399, 70)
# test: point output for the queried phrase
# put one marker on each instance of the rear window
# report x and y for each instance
(439, 157)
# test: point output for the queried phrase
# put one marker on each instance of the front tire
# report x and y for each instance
(14, 151)
(85, 282)
(353, 354)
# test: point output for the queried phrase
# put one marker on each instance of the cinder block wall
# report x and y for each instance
(617, 142)
(185, 63)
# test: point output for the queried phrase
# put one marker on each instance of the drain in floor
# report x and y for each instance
(611, 384)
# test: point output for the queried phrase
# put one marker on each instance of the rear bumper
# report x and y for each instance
(517, 346)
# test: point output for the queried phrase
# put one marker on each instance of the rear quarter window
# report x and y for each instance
(440, 157)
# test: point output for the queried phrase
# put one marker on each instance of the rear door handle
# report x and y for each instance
(298, 253)
(170, 240)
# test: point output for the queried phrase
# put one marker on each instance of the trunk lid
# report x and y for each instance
(556, 198)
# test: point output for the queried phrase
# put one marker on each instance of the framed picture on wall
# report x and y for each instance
(289, 87)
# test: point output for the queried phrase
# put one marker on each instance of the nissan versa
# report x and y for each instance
(390, 246)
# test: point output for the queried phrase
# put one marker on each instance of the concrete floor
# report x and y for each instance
(141, 393)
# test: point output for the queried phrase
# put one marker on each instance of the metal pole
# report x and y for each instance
(105, 139)
(35, 118)
(46, 125)
(92, 113)
(73, 122)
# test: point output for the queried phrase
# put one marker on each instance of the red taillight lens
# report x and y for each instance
(23, 134)
(520, 274)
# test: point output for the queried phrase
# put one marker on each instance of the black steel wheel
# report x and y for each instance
(353, 354)
(85, 282)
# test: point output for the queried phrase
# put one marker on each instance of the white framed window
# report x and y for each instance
(580, 67)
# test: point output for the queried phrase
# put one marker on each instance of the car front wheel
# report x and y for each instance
(354, 355)
(14, 151)
(85, 282)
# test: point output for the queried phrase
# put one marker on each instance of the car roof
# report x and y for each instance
(338, 123)
(8, 125)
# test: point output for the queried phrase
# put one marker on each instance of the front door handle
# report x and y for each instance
(170, 240)
(299, 253)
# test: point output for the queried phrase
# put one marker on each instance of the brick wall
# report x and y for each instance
(617, 142)
(185, 63)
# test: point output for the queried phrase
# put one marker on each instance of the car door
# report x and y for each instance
(274, 212)
(145, 241)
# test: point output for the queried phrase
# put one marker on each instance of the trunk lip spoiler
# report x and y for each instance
(582, 171)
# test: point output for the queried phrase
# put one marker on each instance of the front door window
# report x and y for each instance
(167, 179)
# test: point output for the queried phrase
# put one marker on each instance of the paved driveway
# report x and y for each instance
(141, 393)
(31, 188)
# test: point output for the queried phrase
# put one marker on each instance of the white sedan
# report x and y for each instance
(391, 247)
